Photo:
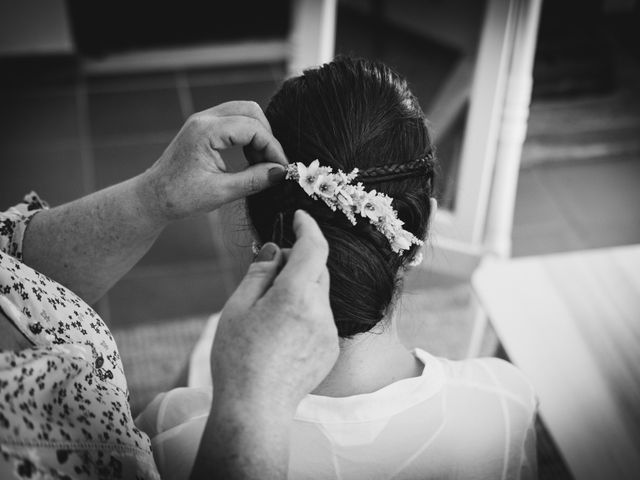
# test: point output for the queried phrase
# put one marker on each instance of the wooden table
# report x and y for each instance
(571, 322)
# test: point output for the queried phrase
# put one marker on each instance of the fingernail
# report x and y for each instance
(266, 253)
(276, 175)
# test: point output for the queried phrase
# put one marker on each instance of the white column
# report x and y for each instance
(313, 34)
(513, 129)
(522, 32)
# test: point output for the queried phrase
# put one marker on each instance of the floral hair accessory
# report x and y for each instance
(338, 192)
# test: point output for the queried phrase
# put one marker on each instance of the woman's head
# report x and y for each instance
(351, 113)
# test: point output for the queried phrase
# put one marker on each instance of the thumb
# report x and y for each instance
(258, 278)
(253, 179)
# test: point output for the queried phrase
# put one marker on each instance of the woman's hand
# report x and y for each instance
(276, 337)
(191, 175)
(276, 341)
(88, 244)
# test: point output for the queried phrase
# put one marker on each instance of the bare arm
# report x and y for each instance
(90, 243)
(244, 441)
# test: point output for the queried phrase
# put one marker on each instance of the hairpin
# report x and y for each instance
(338, 192)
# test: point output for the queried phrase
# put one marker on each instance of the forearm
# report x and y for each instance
(243, 443)
(90, 243)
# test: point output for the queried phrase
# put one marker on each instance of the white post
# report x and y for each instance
(522, 30)
(513, 129)
(313, 34)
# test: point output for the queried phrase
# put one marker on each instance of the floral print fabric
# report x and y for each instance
(64, 410)
(14, 222)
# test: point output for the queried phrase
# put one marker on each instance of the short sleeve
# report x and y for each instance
(14, 222)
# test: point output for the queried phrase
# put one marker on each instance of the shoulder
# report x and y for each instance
(494, 377)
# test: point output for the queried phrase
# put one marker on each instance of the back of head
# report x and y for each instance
(351, 113)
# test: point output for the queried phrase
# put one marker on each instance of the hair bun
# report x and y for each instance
(352, 113)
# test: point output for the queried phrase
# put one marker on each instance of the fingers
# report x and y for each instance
(259, 277)
(286, 253)
(323, 281)
(308, 257)
(241, 131)
(251, 180)
(251, 155)
(240, 107)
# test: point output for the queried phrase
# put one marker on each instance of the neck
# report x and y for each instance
(368, 362)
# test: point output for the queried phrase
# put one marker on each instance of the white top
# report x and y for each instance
(470, 419)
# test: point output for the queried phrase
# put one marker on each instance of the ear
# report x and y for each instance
(434, 208)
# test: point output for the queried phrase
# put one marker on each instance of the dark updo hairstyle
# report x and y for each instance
(351, 113)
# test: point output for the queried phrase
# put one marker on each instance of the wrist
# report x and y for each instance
(149, 197)
(257, 391)
(262, 406)
(242, 440)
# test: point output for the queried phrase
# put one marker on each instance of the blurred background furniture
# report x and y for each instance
(478, 219)
(571, 322)
(121, 37)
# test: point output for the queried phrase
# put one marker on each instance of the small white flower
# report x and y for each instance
(307, 176)
(344, 197)
(385, 211)
(417, 260)
(402, 241)
(369, 211)
(377, 207)
(358, 197)
(325, 186)
(366, 204)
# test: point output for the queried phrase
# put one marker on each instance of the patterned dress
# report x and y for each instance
(64, 410)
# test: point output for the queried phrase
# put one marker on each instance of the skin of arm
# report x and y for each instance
(90, 243)
(275, 342)
(244, 441)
